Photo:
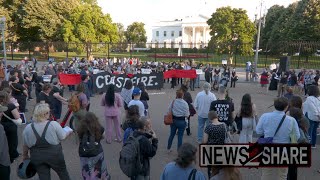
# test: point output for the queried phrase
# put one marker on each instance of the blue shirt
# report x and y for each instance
(269, 122)
(173, 172)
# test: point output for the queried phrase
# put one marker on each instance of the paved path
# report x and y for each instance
(159, 101)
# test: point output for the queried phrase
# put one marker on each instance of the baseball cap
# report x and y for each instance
(136, 91)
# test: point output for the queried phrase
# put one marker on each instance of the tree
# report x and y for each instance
(136, 34)
(231, 31)
(45, 18)
(9, 9)
(87, 24)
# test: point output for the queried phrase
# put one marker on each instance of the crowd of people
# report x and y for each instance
(218, 119)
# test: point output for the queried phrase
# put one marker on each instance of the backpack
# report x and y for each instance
(74, 103)
(129, 160)
(126, 134)
(89, 147)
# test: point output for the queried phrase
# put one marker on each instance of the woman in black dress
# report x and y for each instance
(19, 92)
(274, 81)
(10, 120)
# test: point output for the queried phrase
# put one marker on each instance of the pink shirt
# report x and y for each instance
(115, 109)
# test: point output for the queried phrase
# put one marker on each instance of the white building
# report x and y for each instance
(190, 32)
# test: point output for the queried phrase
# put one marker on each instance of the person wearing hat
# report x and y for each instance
(4, 150)
(136, 93)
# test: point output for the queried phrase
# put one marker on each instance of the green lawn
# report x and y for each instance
(239, 61)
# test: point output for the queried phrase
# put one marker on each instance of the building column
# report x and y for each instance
(182, 36)
(204, 35)
(194, 36)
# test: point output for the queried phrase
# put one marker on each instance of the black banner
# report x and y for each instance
(103, 79)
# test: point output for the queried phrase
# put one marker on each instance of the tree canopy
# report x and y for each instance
(231, 31)
(136, 33)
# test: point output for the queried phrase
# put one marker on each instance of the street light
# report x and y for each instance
(2, 27)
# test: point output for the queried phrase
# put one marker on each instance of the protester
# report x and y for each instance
(126, 93)
(10, 120)
(93, 165)
(85, 83)
(267, 125)
(202, 105)
(42, 139)
(311, 109)
(188, 98)
(282, 85)
(132, 117)
(223, 107)
(112, 102)
(57, 98)
(234, 78)
(148, 146)
(28, 82)
(183, 166)
(214, 133)
(19, 93)
(83, 98)
(136, 93)
(144, 98)
(297, 102)
(248, 115)
(180, 111)
(264, 79)
(4, 150)
(289, 93)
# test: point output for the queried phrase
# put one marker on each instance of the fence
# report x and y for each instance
(303, 53)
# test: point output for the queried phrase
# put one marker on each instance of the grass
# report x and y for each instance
(238, 61)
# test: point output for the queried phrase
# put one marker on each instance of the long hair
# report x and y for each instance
(141, 86)
(110, 97)
(90, 123)
(246, 106)
(133, 113)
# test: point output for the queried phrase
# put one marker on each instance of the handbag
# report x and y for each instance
(192, 110)
(269, 140)
(168, 118)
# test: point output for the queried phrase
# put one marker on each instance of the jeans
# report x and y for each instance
(313, 131)
(201, 123)
(179, 125)
(197, 83)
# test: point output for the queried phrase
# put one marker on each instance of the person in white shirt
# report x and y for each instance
(311, 109)
(202, 104)
(136, 101)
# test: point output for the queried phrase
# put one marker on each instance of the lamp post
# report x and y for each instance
(2, 27)
(258, 41)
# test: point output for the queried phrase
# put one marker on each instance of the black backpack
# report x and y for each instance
(89, 147)
(129, 160)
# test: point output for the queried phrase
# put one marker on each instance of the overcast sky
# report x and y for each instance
(152, 11)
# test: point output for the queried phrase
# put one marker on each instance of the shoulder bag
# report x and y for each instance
(168, 118)
(269, 140)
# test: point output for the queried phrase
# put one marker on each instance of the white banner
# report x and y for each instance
(145, 71)
(199, 71)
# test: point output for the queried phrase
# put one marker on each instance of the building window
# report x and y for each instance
(157, 33)
(180, 33)
(165, 33)
(172, 33)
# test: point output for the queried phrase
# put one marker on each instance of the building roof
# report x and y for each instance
(198, 19)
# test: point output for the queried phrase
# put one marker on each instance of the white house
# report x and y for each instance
(190, 32)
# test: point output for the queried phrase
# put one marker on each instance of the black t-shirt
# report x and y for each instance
(26, 81)
(43, 97)
(17, 89)
(8, 112)
(38, 80)
(224, 109)
(54, 90)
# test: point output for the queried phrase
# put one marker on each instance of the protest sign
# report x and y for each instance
(199, 71)
(103, 79)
